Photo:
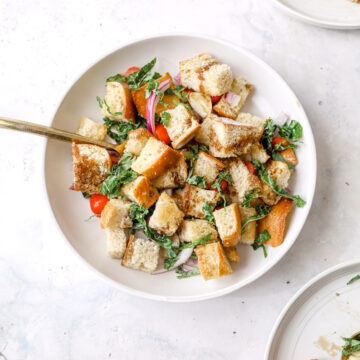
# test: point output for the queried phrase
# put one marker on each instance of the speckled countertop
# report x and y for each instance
(51, 305)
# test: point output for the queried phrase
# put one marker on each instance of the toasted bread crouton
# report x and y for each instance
(141, 254)
(91, 129)
(204, 74)
(155, 158)
(241, 88)
(194, 199)
(202, 135)
(140, 100)
(116, 213)
(182, 126)
(200, 103)
(242, 180)
(280, 172)
(173, 177)
(230, 138)
(91, 165)
(232, 254)
(141, 191)
(179, 197)
(213, 262)
(289, 156)
(166, 217)
(228, 223)
(116, 239)
(257, 152)
(275, 222)
(118, 99)
(208, 167)
(191, 230)
(137, 140)
(254, 121)
(249, 233)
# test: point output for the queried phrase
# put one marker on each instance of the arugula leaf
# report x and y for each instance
(101, 102)
(186, 274)
(118, 130)
(291, 132)
(350, 346)
(223, 175)
(200, 241)
(357, 277)
(262, 211)
(165, 118)
(260, 170)
(208, 209)
(121, 173)
(249, 195)
(86, 195)
(278, 157)
(260, 240)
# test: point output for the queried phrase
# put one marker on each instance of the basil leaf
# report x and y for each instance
(208, 209)
(350, 346)
(249, 195)
(357, 277)
(101, 102)
(197, 181)
(118, 130)
(136, 79)
(281, 147)
(86, 195)
(291, 132)
(204, 148)
(260, 240)
(268, 135)
(186, 274)
(117, 77)
(262, 211)
(223, 175)
(200, 241)
(165, 118)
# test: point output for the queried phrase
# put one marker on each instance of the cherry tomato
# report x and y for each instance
(250, 167)
(114, 159)
(219, 207)
(223, 185)
(215, 99)
(279, 140)
(131, 70)
(188, 90)
(98, 202)
(162, 133)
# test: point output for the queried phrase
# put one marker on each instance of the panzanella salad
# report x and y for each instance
(194, 177)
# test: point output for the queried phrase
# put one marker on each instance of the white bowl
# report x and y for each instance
(272, 95)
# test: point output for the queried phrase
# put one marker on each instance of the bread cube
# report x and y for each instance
(232, 254)
(280, 172)
(255, 122)
(213, 262)
(118, 98)
(208, 167)
(200, 103)
(191, 230)
(116, 213)
(202, 135)
(257, 152)
(182, 126)
(91, 165)
(173, 177)
(141, 191)
(141, 254)
(228, 223)
(204, 74)
(249, 233)
(137, 140)
(166, 217)
(241, 88)
(91, 129)
(154, 159)
(116, 239)
(194, 199)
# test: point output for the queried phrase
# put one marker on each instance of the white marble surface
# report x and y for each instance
(52, 306)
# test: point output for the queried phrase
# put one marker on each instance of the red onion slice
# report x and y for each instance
(151, 104)
(176, 79)
(72, 187)
(232, 98)
(282, 118)
(182, 259)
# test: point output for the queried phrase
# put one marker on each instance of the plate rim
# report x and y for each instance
(220, 292)
(298, 294)
(310, 20)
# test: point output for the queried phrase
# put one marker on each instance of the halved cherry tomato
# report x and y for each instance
(279, 140)
(215, 99)
(131, 70)
(223, 185)
(114, 159)
(250, 167)
(162, 133)
(219, 207)
(97, 203)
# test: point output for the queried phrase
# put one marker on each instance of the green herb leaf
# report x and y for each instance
(208, 209)
(278, 157)
(121, 173)
(118, 130)
(153, 87)
(101, 103)
(350, 346)
(117, 77)
(291, 132)
(268, 135)
(281, 147)
(204, 148)
(357, 277)
(200, 241)
(262, 211)
(223, 175)
(165, 118)
(186, 274)
(86, 195)
(197, 181)
(249, 195)
(260, 240)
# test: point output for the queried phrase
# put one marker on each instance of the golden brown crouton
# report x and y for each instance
(116, 213)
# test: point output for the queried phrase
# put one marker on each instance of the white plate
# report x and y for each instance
(271, 96)
(313, 323)
(335, 14)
